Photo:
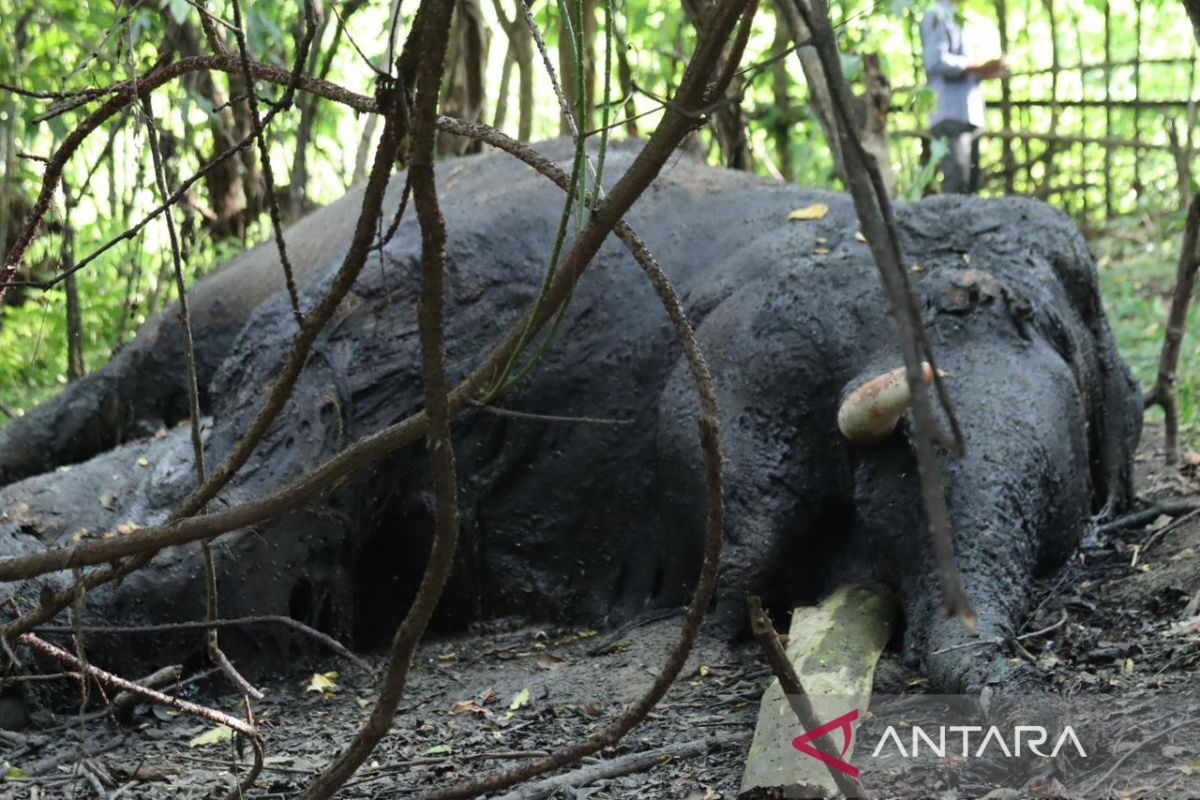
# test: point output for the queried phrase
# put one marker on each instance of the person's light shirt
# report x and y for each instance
(959, 97)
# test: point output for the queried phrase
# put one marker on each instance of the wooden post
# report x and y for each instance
(1027, 113)
(1108, 120)
(1006, 100)
(1137, 93)
(1083, 169)
(1055, 67)
(781, 128)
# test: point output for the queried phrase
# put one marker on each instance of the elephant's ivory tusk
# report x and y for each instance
(871, 412)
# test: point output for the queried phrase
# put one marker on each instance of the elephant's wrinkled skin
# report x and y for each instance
(594, 522)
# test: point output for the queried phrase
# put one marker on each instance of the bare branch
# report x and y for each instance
(193, 394)
(879, 227)
(187, 707)
(1165, 392)
(264, 153)
(122, 95)
(439, 445)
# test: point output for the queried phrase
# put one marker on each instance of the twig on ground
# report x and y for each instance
(125, 702)
(1043, 631)
(614, 637)
(627, 764)
(186, 706)
(1146, 515)
(1165, 529)
(999, 640)
(1188, 722)
(1192, 607)
(39, 769)
(94, 715)
(389, 770)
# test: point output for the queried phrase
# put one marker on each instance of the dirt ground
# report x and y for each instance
(492, 698)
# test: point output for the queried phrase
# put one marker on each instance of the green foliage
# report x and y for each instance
(915, 188)
(58, 45)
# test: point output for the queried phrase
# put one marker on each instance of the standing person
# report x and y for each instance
(955, 76)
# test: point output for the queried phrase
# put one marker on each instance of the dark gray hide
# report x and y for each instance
(596, 523)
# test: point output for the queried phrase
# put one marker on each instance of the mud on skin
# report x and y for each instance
(599, 523)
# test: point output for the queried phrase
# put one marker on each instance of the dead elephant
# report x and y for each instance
(601, 522)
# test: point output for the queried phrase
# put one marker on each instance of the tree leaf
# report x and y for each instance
(323, 682)
(814, 211)
(520, 700)
(221, 733)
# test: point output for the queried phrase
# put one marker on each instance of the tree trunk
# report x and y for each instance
(814, 75)
(466, 59)
(569, 22)
(876, 102)
(234, 193)
(729, 124)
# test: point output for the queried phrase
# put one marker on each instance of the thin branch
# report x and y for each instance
(563, 105)
(879, 227)
(552, 418)
(1165, 392)
(193, 395)
(999, 640)
(440, 446)
(264, 152)
(122, 94)
(341, 20)
(1190, 721)
(108, 679)
(627, 764)
(211, 34)
(1144, 516)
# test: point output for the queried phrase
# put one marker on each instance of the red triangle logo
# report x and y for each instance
(804, 743)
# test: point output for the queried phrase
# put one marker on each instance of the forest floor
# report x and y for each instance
(493, 699)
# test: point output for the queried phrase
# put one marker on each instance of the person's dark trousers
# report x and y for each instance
(960, 167)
